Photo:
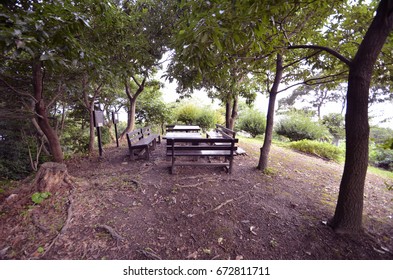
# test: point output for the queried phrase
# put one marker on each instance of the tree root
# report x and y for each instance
(66, 224)
(112, 232)
(150, 254)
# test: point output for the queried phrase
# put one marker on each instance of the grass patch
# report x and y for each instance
(381, 172)
(323, 150)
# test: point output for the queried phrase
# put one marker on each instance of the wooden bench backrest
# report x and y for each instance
(169, 127)
(133, 137)
(195, 144)
(226, 132)
(146, 131)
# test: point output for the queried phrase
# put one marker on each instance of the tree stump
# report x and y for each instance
(51, 177)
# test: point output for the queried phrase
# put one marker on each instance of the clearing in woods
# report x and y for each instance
(119, 209)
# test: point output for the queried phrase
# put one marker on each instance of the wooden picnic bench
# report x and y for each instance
(194, 149)
(221, 132)
(141, 142)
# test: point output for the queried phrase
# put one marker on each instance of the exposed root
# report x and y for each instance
(65, 226)
(112, 232)
(150, 254)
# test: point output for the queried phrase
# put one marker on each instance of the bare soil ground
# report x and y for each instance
(119, 209)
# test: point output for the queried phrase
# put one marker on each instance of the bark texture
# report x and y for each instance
(42, 114)
(349, 209)
(51, 177)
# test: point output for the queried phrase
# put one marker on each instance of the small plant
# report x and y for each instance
(324, 150)
(39, 197)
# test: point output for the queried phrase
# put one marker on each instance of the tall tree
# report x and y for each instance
(42, 36)
(349, 209)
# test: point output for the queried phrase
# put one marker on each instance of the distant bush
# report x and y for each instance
(382, 158)
(380, 135)
(206, 118)
(324, 150)
(190, 113)
(299, 125)
(253, 122)
(187, 113)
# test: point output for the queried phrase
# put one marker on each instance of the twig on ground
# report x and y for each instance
(219, 206)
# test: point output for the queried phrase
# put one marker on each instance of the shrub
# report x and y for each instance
(324, 150)
(382, 158)
(253, 122)
(187, 113)
(206, 119)
(299, 125)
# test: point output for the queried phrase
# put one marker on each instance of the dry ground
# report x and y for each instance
(119, 209)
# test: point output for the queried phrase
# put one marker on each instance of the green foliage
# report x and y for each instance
(187, 113)
(380, 135)
(320, 149)
(253, 122)
(14, 153)
(297, 125)
(206, 118)
(39, 197)
(335, 124)
(381, 158)
(190, 113)
(75, 139)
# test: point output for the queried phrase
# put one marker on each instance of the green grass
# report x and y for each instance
(320, 149)
(381, 172)
(258, 141)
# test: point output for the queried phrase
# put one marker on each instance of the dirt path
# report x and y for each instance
(137, 210)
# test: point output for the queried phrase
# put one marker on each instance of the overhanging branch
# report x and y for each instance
(326, 49)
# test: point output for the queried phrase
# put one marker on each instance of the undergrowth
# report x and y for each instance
(320, 149)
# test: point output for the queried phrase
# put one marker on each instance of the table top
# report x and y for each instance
(187, 135)
(186, 128)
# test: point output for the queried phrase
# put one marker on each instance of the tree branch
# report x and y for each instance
(326, 49)
(324, 80)
(17, 91)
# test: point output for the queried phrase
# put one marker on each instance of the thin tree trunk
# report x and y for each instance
(349, 209)
(231, 112)
(132, 105)
(42, 117)
(265, 149)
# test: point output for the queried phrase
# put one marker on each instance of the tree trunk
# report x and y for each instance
(265, 150)
(91, 131)
(231, 112)
(130, 118)
(349, 209)
(132, 109)
(42, 117)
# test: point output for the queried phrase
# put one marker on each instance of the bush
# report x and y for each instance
(187, 113)
(382, 158)
(206, 119)
(324, 150)
(253, 122)
(298, 126)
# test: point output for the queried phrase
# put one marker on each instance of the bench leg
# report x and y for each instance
(132, 155)
(172, 171)
(147, 152)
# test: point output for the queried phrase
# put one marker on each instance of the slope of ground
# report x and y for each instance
(119, 209)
